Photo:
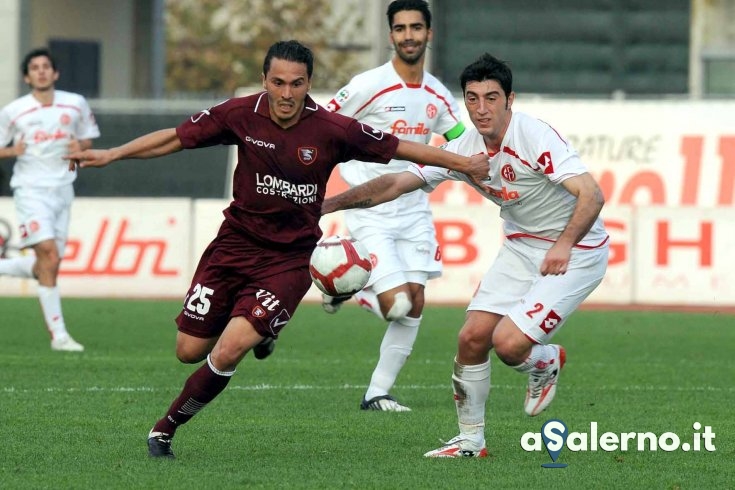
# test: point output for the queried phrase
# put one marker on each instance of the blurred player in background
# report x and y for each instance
(555, 252)
(43, 126)
(400, 98)
(251, 278)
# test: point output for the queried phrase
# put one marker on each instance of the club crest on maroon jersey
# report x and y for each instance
(307, 154)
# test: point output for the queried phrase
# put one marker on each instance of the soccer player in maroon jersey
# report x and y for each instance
(253, 275)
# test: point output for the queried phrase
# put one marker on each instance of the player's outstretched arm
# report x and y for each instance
(476, 167)
(373, 192)
(151, 145)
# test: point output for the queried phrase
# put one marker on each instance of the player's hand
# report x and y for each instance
(74, 146)
(19, 147)
(479, 171)
(556, 260)
(88, 158)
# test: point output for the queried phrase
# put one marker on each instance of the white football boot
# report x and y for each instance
(459, 447)
(542, 386)
(66, 343)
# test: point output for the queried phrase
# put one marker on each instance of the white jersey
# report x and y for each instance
(46, 131)
(524, 179)
(381, 99)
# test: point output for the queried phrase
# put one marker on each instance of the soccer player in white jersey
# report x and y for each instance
(555, 252)
(400, 98)
(40, 128)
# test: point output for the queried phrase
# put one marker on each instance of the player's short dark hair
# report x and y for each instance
(289, 51)
(35, 54)
(401, 5)
(488, 67)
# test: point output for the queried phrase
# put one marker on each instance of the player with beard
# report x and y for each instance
(403, 99)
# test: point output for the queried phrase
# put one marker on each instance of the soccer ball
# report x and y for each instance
(340, 266)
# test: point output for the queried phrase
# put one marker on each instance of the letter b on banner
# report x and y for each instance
(456, 242)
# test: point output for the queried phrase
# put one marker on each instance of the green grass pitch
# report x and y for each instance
(79, 421)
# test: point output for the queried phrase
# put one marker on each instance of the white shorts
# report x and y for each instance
(43, 214)
(538, 305)
(400, 254)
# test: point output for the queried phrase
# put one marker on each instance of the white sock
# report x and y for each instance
(471, 390)
(18, 266)
(537, 360)
(394, 350)
(369, 300)
(51, 305)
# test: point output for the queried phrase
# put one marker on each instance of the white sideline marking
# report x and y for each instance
(270, 387)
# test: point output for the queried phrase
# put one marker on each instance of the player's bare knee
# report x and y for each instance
(473, 345)
(400, 308)
(229, 352)
(511, 344)
(188, 356)
(190, 350)
(47, 258)
(512, 350)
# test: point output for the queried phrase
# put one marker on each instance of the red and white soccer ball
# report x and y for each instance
(340, 266)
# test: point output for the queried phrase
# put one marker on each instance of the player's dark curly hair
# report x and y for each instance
(290, 51)
(401, 5)
(488, 67)
(35, 54)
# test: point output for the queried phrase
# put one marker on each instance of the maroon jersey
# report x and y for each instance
(281, 174)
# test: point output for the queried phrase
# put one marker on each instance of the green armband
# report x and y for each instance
(455, 132)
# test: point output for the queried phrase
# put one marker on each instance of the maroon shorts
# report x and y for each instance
(237, 277)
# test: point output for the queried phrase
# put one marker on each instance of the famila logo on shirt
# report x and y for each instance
(401, 127)
(504, 194)
(42, 136)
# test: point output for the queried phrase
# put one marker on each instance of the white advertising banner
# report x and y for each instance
(685, 256)
(119, 248)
